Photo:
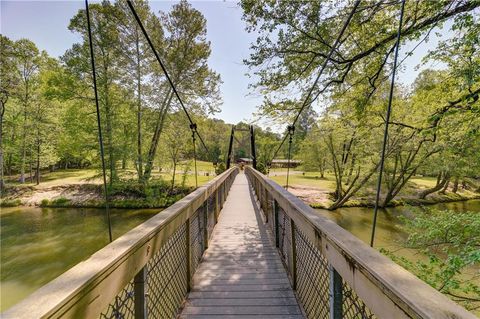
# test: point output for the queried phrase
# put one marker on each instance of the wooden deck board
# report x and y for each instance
(241, 274)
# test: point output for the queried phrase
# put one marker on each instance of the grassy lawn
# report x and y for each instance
(312, 179)
(93, 176)
(309, 179)
(424, 182)
(63, 177)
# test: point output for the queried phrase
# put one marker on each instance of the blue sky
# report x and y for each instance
(45, 23)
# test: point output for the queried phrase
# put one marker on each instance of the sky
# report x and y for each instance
(45, 23)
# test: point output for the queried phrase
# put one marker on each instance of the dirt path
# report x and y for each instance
(310, 195)
(76, 193)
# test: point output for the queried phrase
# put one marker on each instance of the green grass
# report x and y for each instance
(10, 202)
(425, 182)
(310, 179)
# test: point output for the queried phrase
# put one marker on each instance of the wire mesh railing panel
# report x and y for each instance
(284, 239)
(211, 214)
(123, 306)
(313, 282)
(167, 277)
(196, 239)
(270, 212)
(353, 306)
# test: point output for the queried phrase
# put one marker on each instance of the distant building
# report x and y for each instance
(283, 163)
(276, 163)
(245, 160)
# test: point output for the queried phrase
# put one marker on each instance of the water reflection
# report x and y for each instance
(388, 234)
(38, 244)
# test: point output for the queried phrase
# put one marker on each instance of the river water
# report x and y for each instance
(39, 244)
(388, 233)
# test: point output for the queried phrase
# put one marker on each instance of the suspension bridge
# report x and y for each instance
(240, 246)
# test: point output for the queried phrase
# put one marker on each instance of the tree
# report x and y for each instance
(313, 153)
(28, 60)
(185, 51)
(106, 52)
(451, 240)
(137, 62)
(177, 142)
(287, 63)
(9, 79)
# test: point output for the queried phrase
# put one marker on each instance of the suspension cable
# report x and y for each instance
(100, 137)
(137, 18)
(387, 120)
(193, 127)
(325, 62)
(291, 131)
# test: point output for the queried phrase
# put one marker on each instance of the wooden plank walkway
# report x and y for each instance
(241, 275)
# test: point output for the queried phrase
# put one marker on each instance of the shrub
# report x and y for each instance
(10, 202)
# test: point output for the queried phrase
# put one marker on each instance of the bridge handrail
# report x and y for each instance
(99, 285)
(367, 281)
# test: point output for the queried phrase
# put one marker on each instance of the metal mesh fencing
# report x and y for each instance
(308, 269)
(211, 219)
(313, 282)
(353, 306)
(123, 306)
(197, 245)
(167, 277)
(285, 239)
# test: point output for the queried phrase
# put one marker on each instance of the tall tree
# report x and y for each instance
(185, 53)
(287, 64)
(136, 63)
(9, 79)
(28, 60)
(106, 51)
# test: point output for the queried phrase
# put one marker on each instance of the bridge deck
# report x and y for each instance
(241, 275)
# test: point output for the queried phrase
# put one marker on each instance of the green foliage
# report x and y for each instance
(57, 202)
(10, 202)
(451, 241)
(221, 167)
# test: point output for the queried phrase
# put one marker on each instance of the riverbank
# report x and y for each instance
(402, 201)
(88, 196)
(82, 188)
(317, 191)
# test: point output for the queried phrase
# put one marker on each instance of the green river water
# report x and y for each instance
(38, 244)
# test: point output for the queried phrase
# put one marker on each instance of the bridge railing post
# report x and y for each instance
(188, 255)
(293, 255)
(275, 214)
(336, 296)
(217, 206)
(140, 298)
(205, 209)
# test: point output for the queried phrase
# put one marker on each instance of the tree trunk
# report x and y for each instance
(24, 141)
(322, 168)
(109, 134)
(350, 171)
(440, 184)
(139, 111)
(445, 186)
(173, 175)
(24, 148)
(352, 190)
(37, 174)
(31, 166)
(455, 185)
(9, 164)
(156, 136)
(2, 112)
